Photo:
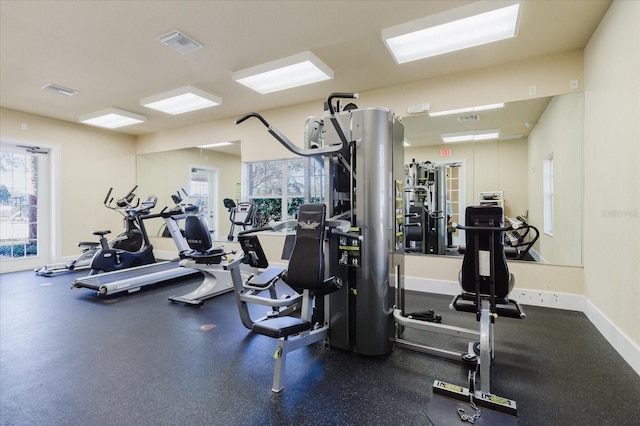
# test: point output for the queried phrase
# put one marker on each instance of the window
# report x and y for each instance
(547, 194)
(278, 188)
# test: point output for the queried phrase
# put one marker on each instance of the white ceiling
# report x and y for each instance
(107, 50)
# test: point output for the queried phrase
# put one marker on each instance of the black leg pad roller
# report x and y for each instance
(281, 326)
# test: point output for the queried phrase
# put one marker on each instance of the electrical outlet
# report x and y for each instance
(532, 90)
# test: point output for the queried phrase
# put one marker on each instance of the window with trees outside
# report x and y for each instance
(278, 188)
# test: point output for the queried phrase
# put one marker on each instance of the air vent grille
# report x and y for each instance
(60, 90)
(179, 42)
(472, 117)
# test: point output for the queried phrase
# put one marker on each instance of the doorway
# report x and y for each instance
(204, 181)
(24, 206)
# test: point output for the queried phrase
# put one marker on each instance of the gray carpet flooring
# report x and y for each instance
(69, 357)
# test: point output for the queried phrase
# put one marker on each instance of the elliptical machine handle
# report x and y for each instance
(107, 197)
(127, 199)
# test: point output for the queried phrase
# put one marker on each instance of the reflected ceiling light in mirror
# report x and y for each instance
(293, 71)
(512, 137)
(181, 100)
(467, 26)
(469, 109)
(215, 145)
(112, 118)
(479, 135)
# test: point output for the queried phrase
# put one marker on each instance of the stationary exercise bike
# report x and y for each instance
(130, 240)
(135, 250)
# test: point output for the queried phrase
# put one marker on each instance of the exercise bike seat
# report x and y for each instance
(198, 237)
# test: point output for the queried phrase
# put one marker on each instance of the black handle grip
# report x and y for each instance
(253, 114)
(341, 95)
(253, 230)
(107, 197)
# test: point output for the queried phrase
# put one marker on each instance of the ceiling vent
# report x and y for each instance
(179, 42)
(472, 117)
(60, 90)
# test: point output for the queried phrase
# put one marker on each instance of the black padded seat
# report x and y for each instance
(484, 234)
(281, 327)
(265, 278)
(209, 257)
(198, 237)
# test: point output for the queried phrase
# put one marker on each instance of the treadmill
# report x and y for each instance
(132, 279)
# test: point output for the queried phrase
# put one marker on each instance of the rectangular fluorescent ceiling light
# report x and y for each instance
(406, 142)
(467, 26)
(470, 109)
(215, 145)
(480, 135)
(179, 101)
(293, 71)
(112, 118)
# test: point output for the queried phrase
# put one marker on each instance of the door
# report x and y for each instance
(455, 202)
(24, 206)
(204, 182)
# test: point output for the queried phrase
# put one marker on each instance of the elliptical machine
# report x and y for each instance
(131, 240)
(136, 249)
(240, 215)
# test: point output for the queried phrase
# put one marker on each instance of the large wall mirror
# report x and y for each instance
(532, 168)
(212, 171)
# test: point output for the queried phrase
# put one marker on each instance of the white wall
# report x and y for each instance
(612, 177)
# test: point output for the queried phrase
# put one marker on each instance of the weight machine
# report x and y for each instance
(363, 153)
(364, 184)
(426, 208)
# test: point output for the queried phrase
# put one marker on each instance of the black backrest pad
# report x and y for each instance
(306, 265)
(197, 234)
(251, 247)
(484, 216)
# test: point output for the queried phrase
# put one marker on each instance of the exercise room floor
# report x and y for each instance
(69, 357)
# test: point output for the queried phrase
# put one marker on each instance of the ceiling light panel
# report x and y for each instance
(461, 28)
(179, 101)
(112, 118)
(292, 71)
(469, 109)
(215, 145)
(479, 135)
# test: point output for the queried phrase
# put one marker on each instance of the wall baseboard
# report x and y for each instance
(629, 350)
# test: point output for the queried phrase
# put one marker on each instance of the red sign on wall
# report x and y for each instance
(445, 153)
